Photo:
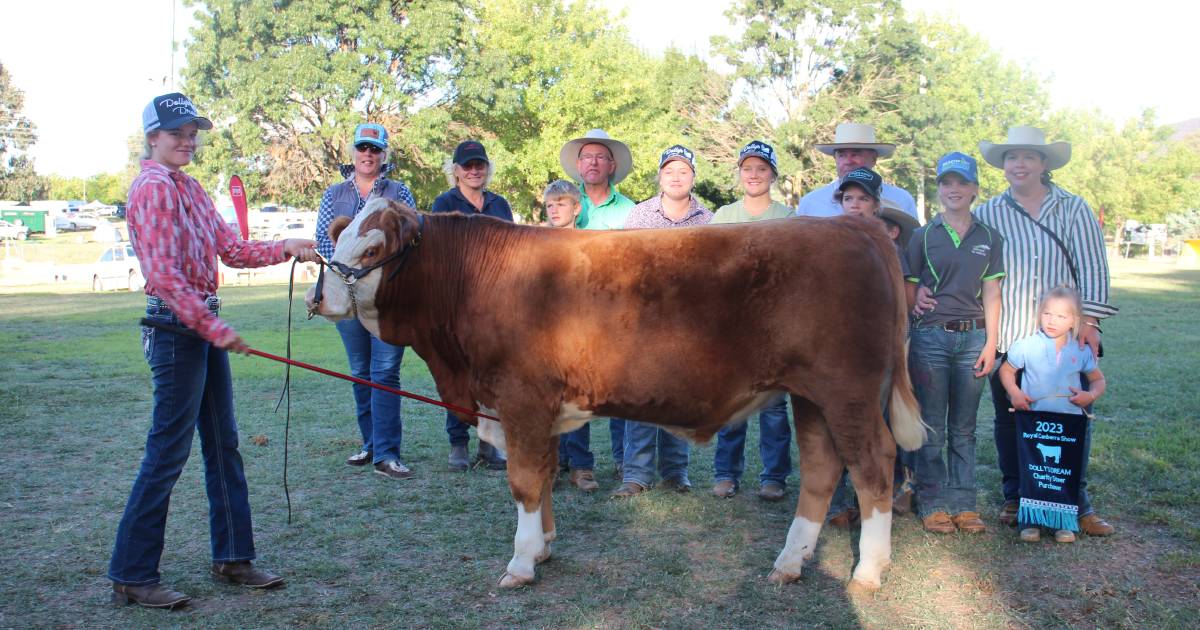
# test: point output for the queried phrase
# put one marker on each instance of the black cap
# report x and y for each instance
(171, 111)
(469, 150)
(864, 178)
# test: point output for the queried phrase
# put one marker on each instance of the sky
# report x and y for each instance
(87, 78)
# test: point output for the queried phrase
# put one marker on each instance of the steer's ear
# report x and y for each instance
(399, 223)
(336, 227)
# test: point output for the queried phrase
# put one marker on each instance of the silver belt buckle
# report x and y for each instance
(213, 303)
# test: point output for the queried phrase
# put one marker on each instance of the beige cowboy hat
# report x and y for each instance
(891, 211)
(1057, 153)
(570, 154)
(856, 136)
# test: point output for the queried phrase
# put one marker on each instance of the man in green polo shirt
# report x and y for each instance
(599, 163)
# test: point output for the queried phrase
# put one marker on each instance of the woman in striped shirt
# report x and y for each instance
(1051, 238)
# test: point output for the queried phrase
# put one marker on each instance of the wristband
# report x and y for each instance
(1095, 325)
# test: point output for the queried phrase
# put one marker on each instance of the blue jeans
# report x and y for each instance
(574, 449)
(642, 441)
(774, 445)
(943, 374)
(378, 411)
(193, 392)
(1006, 444)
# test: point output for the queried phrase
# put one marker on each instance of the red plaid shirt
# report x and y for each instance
(177, 235)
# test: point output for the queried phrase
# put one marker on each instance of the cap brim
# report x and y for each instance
(882, 148)
(569, 154)
(202, 123)
(759, 156)
(1058, 154)
(676, 158)
(965, 175)
(371, 141)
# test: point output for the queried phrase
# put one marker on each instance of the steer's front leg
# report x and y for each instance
(531, 462)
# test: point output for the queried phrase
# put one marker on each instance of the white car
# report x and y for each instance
(117, 268)
(292, 229)
(76, 221)
(14, 231)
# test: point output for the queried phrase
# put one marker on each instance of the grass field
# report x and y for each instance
(427, 552)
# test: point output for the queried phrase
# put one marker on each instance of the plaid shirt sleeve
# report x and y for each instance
(324, 218)
(154, 217)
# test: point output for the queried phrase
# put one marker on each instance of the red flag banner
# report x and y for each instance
(238, 193)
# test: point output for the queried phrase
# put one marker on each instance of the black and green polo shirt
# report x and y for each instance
(954, 267)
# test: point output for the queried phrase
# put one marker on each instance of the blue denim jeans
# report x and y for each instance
(574, 449)
(193, 392)
(378, 412)
(943, 374)
(1006, 444)
(642, 442)
(774, 446)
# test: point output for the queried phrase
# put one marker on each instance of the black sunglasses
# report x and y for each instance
(368, 147)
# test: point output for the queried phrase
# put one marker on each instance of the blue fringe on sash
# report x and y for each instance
(1047, 514)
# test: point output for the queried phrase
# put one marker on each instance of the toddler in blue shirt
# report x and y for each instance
(1052, 367)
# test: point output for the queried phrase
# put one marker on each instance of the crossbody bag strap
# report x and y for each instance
(1012, 203)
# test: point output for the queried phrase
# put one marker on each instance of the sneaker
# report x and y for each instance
(1008, 513)
(969, 523)
(584, 480)
(1064, 536)
(771, 491)
(1031, 534)
(724, 488)
(362, 458)
(938, 523)
(393, 469)
(628, 489)
(1093, 525)
(459, 460)
(680, 485)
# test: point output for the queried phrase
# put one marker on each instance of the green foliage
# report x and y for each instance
(18, 180)
(288, 81)
(1184, 225)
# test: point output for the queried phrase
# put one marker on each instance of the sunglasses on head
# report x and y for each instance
(368, 147)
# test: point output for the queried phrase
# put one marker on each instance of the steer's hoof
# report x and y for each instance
(514, 581)
(779, 578)
(543, 556)
(861, 588)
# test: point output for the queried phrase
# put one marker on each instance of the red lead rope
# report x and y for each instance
(320, 370)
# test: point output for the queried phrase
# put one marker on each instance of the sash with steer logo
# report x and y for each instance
(1050, 452)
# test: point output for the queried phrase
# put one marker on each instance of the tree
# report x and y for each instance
(18, 180)
(286, 83)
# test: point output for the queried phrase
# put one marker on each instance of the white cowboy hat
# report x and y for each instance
(856, 136)
(891, 211)
(1057, 153)
(570, 154)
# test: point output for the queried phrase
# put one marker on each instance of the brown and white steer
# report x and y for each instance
(690, 329)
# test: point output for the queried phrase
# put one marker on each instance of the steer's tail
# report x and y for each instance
(904, 411)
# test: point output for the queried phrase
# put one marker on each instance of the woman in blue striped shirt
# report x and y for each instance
(1051, 238)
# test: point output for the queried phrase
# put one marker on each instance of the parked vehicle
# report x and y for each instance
(117, 268)
(76, 221)
(292, 229)
(14, 231)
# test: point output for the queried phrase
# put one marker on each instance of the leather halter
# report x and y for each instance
(351, 275)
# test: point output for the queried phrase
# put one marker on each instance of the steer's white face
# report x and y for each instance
(358, 245)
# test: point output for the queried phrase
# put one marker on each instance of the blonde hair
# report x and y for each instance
(1063, 292)
(452, 179)
(561, 188)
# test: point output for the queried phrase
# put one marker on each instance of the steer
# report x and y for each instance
(690, 329)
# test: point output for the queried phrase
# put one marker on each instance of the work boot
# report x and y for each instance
(244, 573)
(393, 469)
(149, 595)
(771, 491)
(969, 523)
(843, 519)
(1093, 525)
(938, 523)
(584, 480)
(628, 489)
(361, 458)
(459, 460)
(491, 457)
(1008, 513)
(678, 484)
(724, 488)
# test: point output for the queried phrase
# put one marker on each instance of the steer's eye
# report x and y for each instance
(370, 253)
